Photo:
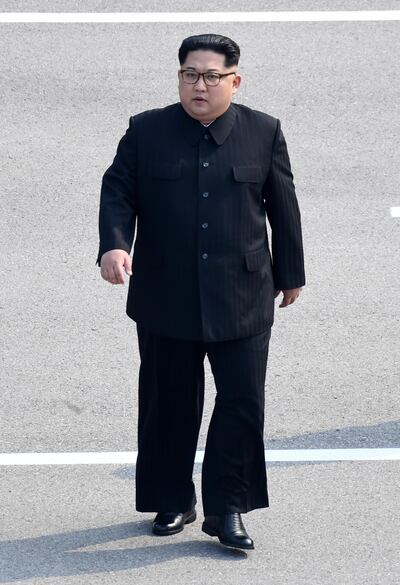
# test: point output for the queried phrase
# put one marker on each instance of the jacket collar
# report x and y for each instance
(219, 129)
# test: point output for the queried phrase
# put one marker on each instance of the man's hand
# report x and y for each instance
(112, 264)
(289, 296)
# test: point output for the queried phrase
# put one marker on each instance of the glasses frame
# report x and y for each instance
(181, 71)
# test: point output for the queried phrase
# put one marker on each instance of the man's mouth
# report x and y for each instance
(199, 99)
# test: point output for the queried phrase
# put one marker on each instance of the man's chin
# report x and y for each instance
(202, 113)
(199, 111)
(201, 106)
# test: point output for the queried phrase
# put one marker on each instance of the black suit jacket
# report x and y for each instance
(197, 198)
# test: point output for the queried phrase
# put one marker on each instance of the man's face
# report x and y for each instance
(215, 99)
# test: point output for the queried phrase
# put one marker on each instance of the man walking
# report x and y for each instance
(196, 181)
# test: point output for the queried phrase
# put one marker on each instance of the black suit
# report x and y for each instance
(203, 282)
(201, 262)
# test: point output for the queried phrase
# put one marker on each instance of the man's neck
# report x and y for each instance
(206, 123)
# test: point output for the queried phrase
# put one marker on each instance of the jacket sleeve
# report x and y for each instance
(284, 217)
(117, 211)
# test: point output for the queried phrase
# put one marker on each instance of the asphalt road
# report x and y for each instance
(69, 353)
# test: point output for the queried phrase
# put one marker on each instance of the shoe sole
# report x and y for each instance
(211, 532)
(188, 520)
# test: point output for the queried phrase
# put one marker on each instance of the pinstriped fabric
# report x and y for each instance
(202, 266)
(171, 400)
(285, 219)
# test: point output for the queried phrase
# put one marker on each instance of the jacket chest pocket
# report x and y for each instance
(247, 174)
(164, 171)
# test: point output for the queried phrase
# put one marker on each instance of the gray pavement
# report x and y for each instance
(69, 353)
(190, 5)
(328, 524)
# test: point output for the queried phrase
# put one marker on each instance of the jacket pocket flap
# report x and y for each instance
(256, 259)
(164, 170)
(251, 174)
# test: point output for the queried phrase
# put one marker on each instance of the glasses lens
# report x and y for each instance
(212, 78)
(189, 76)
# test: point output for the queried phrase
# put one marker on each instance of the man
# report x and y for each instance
(198, 179)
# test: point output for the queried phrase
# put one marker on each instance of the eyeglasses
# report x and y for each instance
(210, 77)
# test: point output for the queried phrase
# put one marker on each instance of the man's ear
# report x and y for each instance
(236, 83)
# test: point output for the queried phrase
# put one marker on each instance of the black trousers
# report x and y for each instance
(171, 398)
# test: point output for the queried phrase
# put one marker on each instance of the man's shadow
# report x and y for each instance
(56, 555)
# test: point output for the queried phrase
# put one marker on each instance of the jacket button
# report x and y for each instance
(205, 194)
(206, 137)
(204, 225)
(206, 164)
(204, 256)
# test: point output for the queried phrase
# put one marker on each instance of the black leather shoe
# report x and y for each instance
(230, 530)
(166, 523)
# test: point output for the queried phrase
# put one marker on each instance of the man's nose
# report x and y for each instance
(200, 83)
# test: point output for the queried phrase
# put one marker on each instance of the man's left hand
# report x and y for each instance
(289, 296)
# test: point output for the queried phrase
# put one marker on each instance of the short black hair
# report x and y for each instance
(212, 42)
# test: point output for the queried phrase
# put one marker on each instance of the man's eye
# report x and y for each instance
(212, 76)
(190, 75)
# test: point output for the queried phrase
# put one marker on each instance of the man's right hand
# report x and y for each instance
(112, 264)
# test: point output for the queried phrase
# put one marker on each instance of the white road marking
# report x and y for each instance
(129, 457)
(272, 16)
(395, 211)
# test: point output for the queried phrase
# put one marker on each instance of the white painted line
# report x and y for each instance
(395, 211)
(129, 457)
(333, 454)
(278, 16)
